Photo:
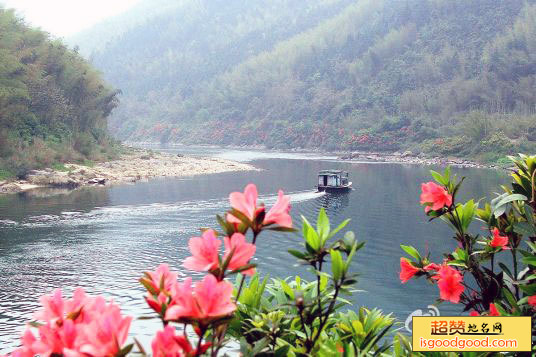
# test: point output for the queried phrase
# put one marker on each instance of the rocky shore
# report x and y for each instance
(409, 158)
(133, 166)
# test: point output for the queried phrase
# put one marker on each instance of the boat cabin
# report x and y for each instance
(333, 180)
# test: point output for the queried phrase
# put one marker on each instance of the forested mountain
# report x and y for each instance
(453, 77)
(53, 104)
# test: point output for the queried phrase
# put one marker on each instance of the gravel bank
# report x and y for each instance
(136, 165)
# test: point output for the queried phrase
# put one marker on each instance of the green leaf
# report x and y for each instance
(499, 204)
(351, 256)
(323, 282)
(460, 254)
(458, 262)
(525, 229)
(531, 260)
(148, 286)
(125, 351)
(468, 213)
(282, 229)
(243, 268)
(339, 227)
(438, 177)
(297, 253)
(506, 270)
(511, 198)
(411, 251)
(310, 235)
(337, 265)
(511, 299)
(242, 217)
(140, 347)
(322, 225)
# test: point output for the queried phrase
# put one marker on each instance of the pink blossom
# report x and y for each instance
(435, 195)
(27, 341)
(162, 279)
(183, 303)
(499, 240)
(106, 333)
(432, 267)
(532, 300)
(450, 284)
(79, 327)
(407, 270)
(245, 202)
(279, 213)
(56, 308)
(493, 310)
(242, 252)
(214, 297)
(160, 285)
(167, 344)
(209, 299)
(204, 251)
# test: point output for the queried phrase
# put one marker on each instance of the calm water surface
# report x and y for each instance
(102, 239)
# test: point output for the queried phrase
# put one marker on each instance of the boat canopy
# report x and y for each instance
(332, 178)
(333, 173)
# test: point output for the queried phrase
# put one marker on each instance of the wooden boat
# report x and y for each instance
(333, 181)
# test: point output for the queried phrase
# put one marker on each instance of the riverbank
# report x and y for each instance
(406, 157)
(410, 158)
(134, 165)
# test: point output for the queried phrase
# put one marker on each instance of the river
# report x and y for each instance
(102, 239)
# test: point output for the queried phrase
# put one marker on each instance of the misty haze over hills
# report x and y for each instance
(331, 74)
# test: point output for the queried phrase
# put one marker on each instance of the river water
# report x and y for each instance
(102, 239)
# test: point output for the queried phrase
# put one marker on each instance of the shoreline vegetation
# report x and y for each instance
(132, 166)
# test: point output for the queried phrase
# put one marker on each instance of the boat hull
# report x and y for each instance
(335, 189)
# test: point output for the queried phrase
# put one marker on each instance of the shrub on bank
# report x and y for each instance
(492, 273)
(295, 317)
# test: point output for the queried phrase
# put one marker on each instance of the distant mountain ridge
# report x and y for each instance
(453, 77)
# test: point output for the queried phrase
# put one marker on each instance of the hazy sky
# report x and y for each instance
(63, 18)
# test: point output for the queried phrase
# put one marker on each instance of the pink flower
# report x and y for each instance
(279, 213)
(532, 300)
(56, 308)
(498, 240)
(183, 303)
(214, 297)
(79, 327)
(162, 280)
(435, 196)
(167, 344)
(105, 331)
(160, 286)
(245, 202)
(474, 313)
(242, 252)
(450, 284)
(407, 270)
(55, 339)
(28, 339)
(209, 299)
(493, 310)
(432, 267)
(204, 252)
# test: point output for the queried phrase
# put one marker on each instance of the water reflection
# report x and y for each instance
(335, 202)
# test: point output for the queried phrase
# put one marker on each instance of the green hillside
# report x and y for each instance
(53, 104)
(448, 77)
